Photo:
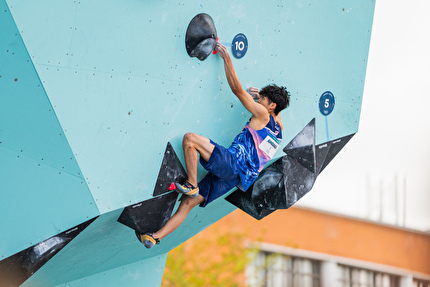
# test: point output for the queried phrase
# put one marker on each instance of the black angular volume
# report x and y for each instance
(17, 268)
(149, 215)
(171, 170)
(288, 179)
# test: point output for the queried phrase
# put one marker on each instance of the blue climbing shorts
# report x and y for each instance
(222, 177)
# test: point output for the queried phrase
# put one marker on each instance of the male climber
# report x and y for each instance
(241, 163)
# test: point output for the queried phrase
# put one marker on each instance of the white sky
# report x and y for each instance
(394, 133)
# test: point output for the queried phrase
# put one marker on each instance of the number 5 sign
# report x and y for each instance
(326, 103)
(239, 46)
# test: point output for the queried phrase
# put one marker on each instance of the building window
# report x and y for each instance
(356, 277)
(421, 283)
(273, 270)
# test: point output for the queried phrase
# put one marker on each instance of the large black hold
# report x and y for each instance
(302, 147)
(149, 215)
(171, 170)
(201, 36)
(283, 183)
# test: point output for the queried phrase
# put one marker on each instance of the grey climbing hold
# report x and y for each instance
(201, 36)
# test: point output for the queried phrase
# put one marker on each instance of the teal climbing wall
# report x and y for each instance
(91, 92)
(42, 189)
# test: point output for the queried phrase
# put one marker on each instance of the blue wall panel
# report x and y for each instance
(147, 272)
(42, 189)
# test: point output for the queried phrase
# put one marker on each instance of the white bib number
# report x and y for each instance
(269, 145)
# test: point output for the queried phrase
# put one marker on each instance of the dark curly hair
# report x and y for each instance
(278, 95)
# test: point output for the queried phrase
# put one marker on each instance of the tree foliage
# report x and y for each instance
(218, 260)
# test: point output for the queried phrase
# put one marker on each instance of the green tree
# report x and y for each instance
(210, 261)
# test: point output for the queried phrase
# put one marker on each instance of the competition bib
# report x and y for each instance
(269, 145)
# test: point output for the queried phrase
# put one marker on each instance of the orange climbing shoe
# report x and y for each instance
(147, 239)
(187, 189)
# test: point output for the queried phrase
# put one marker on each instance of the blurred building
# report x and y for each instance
(303, 247)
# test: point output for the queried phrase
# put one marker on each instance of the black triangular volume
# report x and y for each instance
(268, 191)
(302, 146)
(298, 181)
(305, 137)
(17, 268)
(335, 148)
(321, 152)
(171, 170)
(265, 194)
(243, 201)
(149, 215)
(305, 156)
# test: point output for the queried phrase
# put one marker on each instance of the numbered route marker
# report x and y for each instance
(239, 46)
(326, 103)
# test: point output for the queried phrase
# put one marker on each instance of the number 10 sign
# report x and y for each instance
(239, 46)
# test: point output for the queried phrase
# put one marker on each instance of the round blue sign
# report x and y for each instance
(326, 103)
(239, 46)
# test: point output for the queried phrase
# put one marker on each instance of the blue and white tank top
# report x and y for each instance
(253, 149)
